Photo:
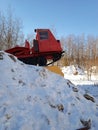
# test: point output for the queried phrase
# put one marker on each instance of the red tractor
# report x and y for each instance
(45, 47)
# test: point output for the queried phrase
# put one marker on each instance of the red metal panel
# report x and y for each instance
(49, 44)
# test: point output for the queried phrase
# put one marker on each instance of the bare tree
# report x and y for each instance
(82, 51)
(10, 31)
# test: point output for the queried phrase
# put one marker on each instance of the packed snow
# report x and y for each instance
(33, 98)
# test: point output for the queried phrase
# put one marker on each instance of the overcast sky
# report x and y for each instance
(65, 16)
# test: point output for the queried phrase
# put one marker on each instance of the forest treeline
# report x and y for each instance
(80, 50)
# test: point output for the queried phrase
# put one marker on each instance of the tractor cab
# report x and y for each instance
(46, 42)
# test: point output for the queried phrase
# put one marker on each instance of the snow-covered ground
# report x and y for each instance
(33, 98)
(81, 79)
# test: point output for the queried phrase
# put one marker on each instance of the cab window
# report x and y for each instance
(43, 35)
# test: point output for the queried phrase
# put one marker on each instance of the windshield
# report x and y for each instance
(43, 35)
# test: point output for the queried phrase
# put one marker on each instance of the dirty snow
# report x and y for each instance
(33, 98)
(80, 79)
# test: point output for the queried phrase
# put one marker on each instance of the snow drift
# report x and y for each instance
(33, 98)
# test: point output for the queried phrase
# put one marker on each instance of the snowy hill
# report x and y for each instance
(33, 98)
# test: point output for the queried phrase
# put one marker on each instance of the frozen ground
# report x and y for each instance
(33, 98)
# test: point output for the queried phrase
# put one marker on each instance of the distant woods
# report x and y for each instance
(80, 50)
(10, 31)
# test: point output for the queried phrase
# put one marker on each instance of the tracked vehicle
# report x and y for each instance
(44, 48)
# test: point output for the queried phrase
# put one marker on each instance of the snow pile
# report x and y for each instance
(74, 73)
(94, 69)
(81, 80)
(73, 70)
(33, 98)
(77, 76)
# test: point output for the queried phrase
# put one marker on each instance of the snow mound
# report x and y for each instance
(72, 70)
(94, 69)
(33, 98)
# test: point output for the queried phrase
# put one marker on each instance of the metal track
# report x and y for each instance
(56, 59)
